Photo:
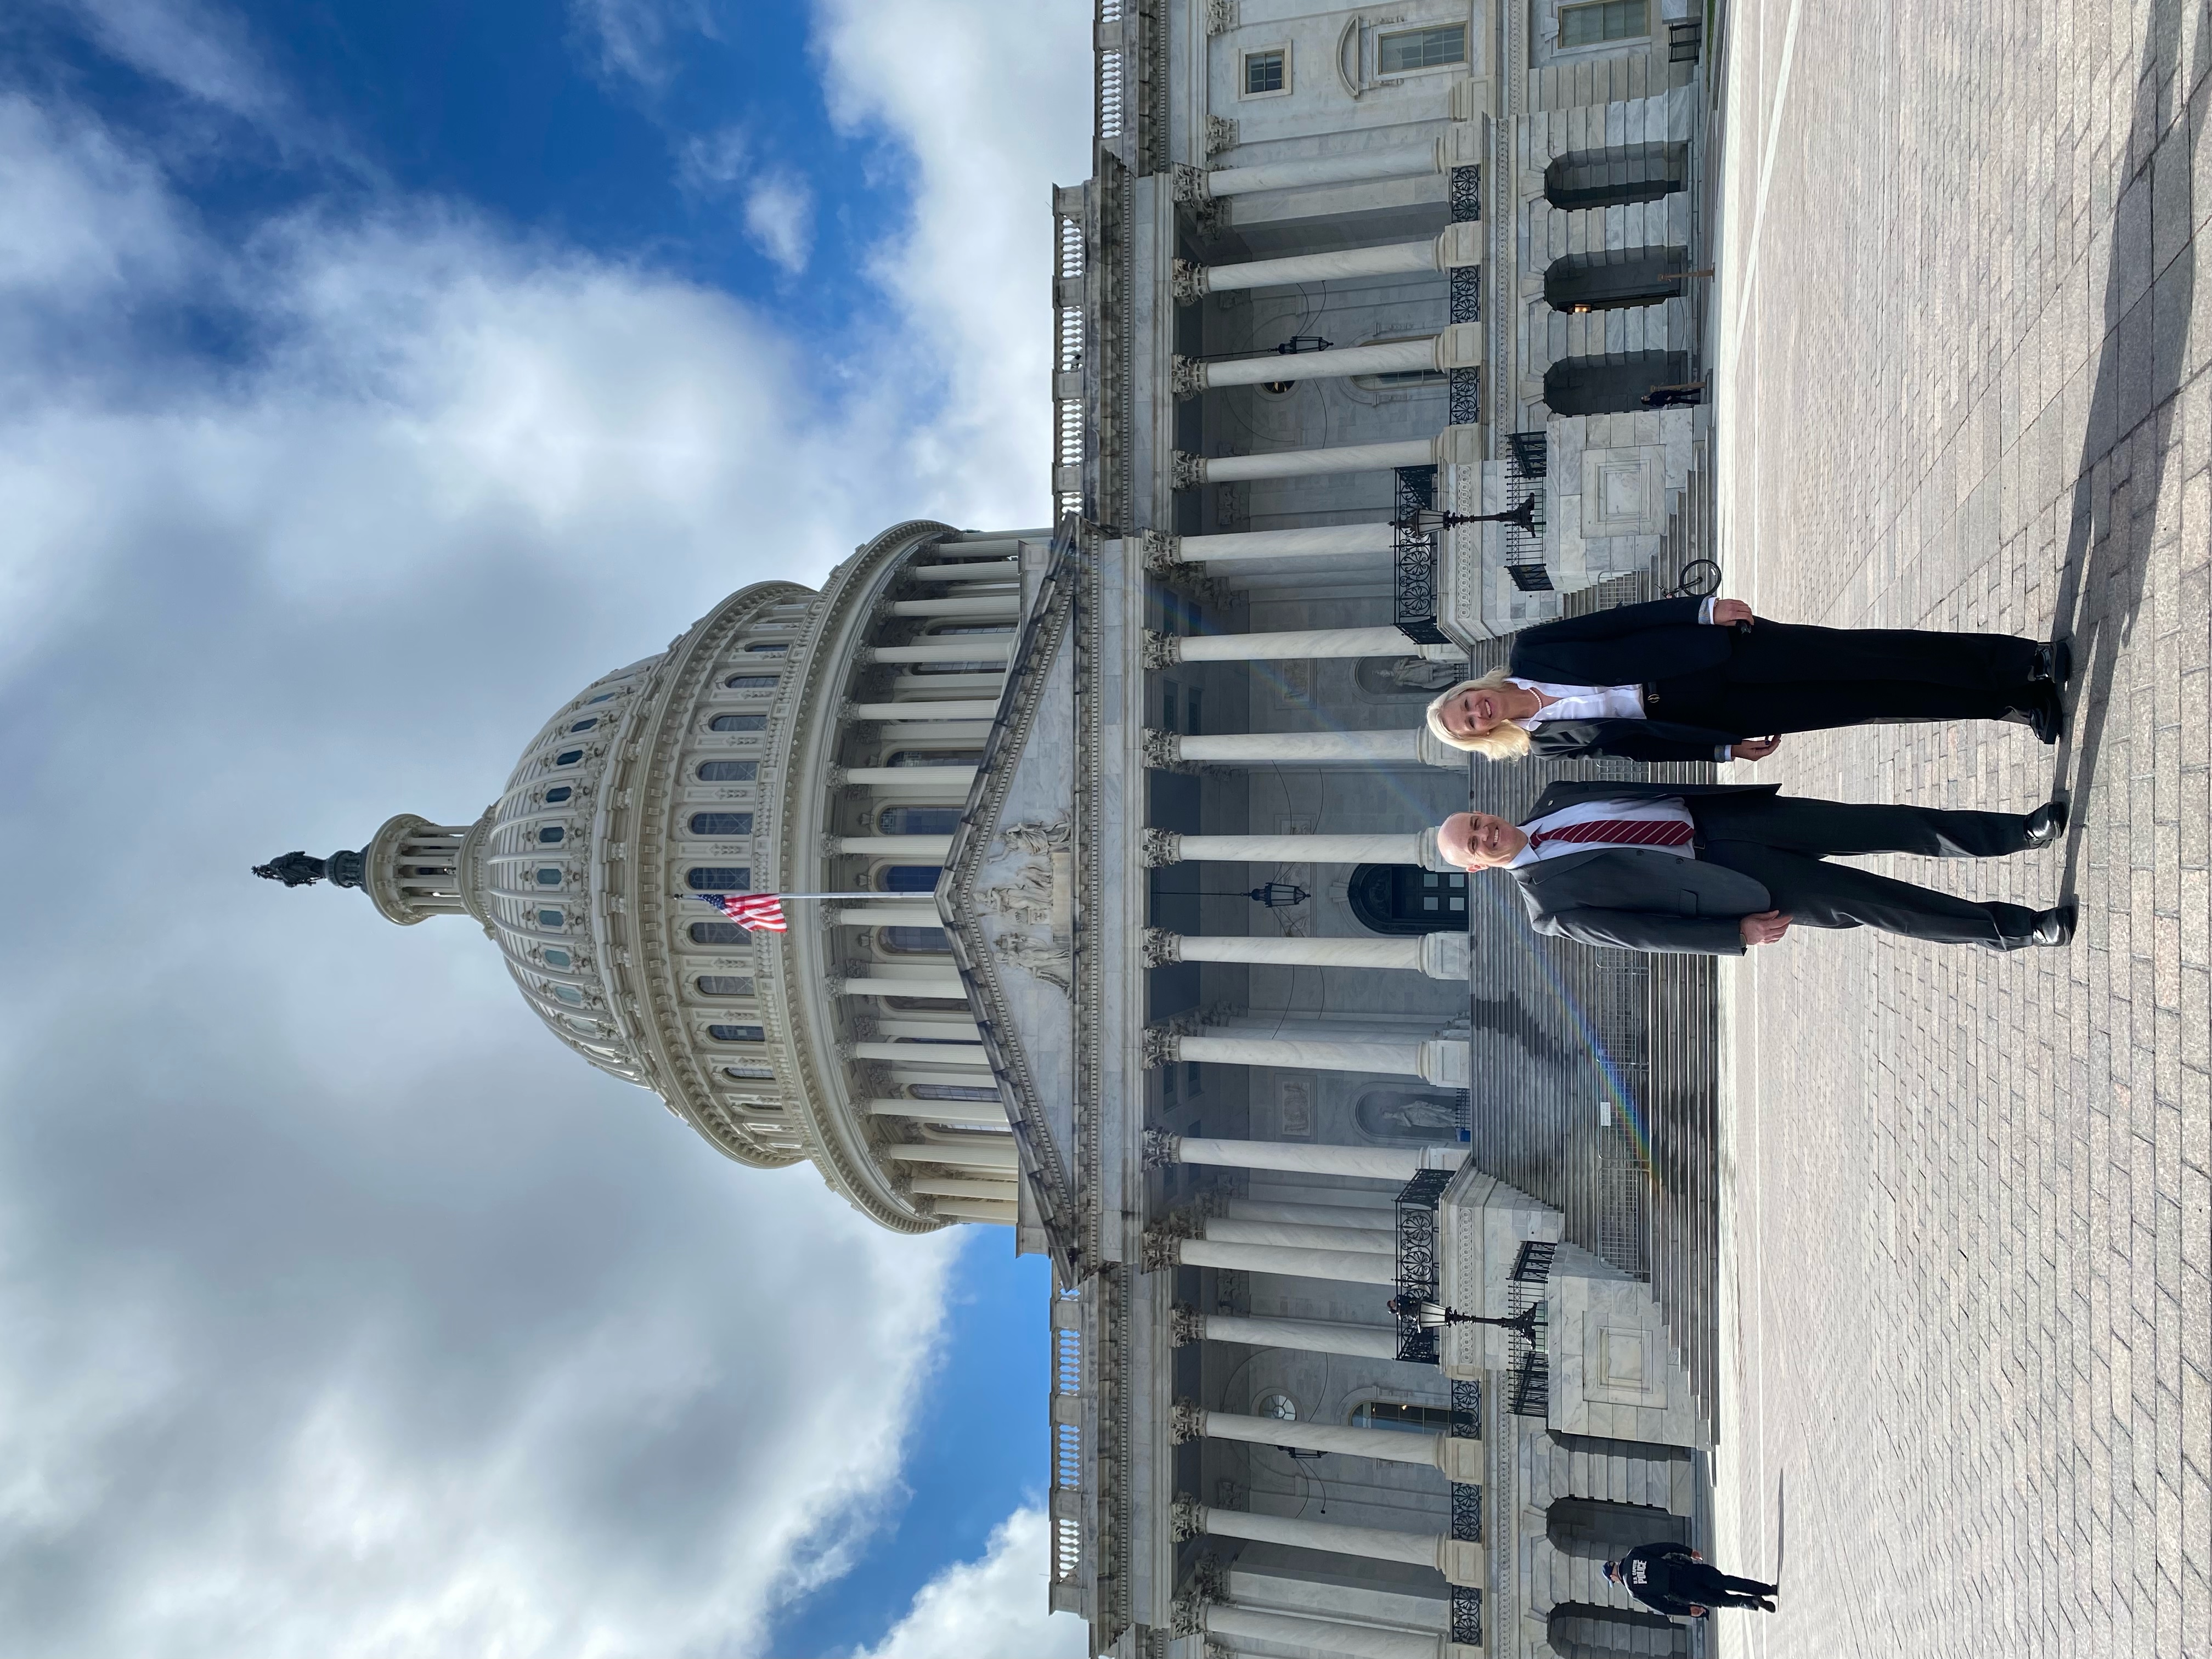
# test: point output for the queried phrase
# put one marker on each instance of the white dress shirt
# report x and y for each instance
(1663, 809)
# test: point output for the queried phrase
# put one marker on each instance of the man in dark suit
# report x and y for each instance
(1692, 680)
(1710, 869)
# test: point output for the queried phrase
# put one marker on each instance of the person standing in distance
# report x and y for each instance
(1674, 1578)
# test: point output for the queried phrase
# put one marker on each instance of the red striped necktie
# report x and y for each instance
(1619, 832)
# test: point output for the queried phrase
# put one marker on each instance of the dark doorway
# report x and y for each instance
(1612, 385)
(1616, 279)
(1616, 177)
(1403, 898)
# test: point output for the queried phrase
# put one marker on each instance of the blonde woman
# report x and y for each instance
(1704, 680)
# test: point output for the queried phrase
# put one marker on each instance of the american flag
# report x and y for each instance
(756, 913)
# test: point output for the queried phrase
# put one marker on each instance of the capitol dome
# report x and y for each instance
(789, 741)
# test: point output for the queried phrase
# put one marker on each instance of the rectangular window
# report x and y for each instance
(1596, 21)
(1171, 715)
(1418, 49)
(1191, 704)
(1266, 71)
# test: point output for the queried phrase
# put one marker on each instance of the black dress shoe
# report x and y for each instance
(2047, 713)
(2046, 823)
(2055, 925)
(2054, 663)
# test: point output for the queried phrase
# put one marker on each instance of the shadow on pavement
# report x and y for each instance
(2147, 310)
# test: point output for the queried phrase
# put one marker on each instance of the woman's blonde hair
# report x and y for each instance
(1504, 741)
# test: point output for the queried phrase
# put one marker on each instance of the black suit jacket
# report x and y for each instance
(1628, 644)
(1639, 898)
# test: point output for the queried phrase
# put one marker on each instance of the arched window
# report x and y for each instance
(549, 877)
(908, 877)
(555, 797)
(1596, 1528)
(1618, 383)
(719, 933)
(721, 824)
(929, 1004)
(558, 958)
(935, 757)
(584, 726)
(728, 771)
(1614, 177)
(918, 820)
(750, 682)
(603, 697)
(720, 877)
(569, 994)
(552, 834)
(978, 665)
(1586, 1627)
(748, 1070)
(769, 647)
(916, 941)
(552, 918)
(949, 1091)
(1404, 899)
(738, 1033)
(567, 757)
(1399, 1414)
(738, 723)
(724, 985)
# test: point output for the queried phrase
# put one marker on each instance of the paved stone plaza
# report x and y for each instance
(1961, 344)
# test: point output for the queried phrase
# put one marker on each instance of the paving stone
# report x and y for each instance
(1967, 1392)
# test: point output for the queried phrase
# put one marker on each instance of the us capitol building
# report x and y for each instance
(1377, 338)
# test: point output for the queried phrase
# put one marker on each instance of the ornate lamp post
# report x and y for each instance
(1522, 1324)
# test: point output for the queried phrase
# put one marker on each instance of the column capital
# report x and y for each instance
(1162, 1148)
(1163, 752)
(1187, 281)
(1160, 846)
(1187, 1517)
(1431, 856)
(1186, 375)
(1190, 185)
(1161, 650)
(833, 776)
(1161, 1249)
(1190, 470)
(1161, 947)
(1186, 1325)
(1163, 552)
(1187, 1421)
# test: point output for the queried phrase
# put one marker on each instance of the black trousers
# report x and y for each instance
(1709, 1586)
(1784, 841)
(1783, 676)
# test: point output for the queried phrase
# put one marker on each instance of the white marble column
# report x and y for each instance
(949, 782)
(1460, 1562)
(978, 570)
(1460, 145)
(932, 848)
(1407, 847)
(887, 915)
(1306, 1335)
(968, 1186)
(1368, 1218)
(966, 647)
(918, 985)
(1297, 1235)
(1333, 1636)
(1443, 1062)
(1459, 245)
(964, 1056)
(1459, 346)
(937, 1111)
(1454, 445)
(922, 710)
(1439, 956)
(966, 607)
(968, 1152)
(1415, 746)
(1352, 1266)
(1163, 552)
(1460, 1458)
(1164, 650)
(986, 1212)
(1399, 1163)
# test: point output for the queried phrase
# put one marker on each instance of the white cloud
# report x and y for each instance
(779, 217)
(634, 39)
(201, 53)
(995, 112)
(993, 1608)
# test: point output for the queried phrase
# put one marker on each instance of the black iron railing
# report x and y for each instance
(1413, 555)
(1418, 1270)
(1466, 1616)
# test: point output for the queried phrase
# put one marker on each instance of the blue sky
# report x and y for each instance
(377, 374)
